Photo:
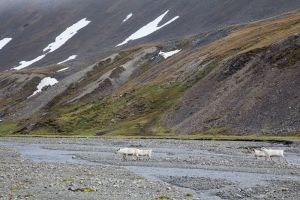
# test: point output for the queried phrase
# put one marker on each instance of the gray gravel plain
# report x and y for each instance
(44, 168)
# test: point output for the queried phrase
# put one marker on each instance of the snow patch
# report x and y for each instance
(68, 59)
(66, 35)
(63, 69)
(149, 28)
(59, 41)
(4, 42)
(48, 81)
(169, 54)
(127, 17)
(24, 64)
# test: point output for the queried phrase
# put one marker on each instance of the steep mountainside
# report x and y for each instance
(34, 24)
(214, 78)
(256, 91)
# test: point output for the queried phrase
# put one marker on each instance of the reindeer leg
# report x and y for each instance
(268, 158)
(285, 160)
(273, 161)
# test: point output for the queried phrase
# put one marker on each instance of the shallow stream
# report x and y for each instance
(68, 154)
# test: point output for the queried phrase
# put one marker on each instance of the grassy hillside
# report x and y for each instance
(169, 97)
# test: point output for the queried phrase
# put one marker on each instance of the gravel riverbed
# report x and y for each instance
(44, 168)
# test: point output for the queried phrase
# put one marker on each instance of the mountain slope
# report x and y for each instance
(239, 79)
(34, 24)
(247, 81)
(257, 91)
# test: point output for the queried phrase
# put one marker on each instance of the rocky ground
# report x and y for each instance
(89, 169)
(23, 179)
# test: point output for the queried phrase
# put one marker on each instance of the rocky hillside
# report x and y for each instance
(224, 79)
(98, 26)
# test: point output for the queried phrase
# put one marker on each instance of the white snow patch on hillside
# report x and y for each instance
(149, 28)
(63, 69)
(24, 64)
(169, 54)
(48, 81)
(127, 17)
(68, 59)
(59, 41)
(66, 35)
(4, 42)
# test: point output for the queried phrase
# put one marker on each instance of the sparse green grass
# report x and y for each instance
(250, 44)
(15, 188)
(83, 190)
(68, 180)
(198, 136)
(138, 178)
(163, 197)
(294, 56)
(137, 113)
(208, 69)
(7, 128)
(87, 190)
(189, 195)
(124, 132)
(253, 137)
(28, 195)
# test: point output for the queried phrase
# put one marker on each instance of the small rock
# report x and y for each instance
(71, 188)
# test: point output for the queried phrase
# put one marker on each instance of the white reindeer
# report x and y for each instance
(127, 152)
(273, 153)
(259, 153)
(143, 152)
